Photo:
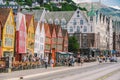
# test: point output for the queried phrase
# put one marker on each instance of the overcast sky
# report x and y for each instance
(113, 3)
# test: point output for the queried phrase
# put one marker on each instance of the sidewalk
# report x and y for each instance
(40, 71)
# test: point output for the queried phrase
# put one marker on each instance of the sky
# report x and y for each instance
(111, 3)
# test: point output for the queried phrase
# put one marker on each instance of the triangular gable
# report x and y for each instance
(22, 24)
(47, 30)
(54, 32)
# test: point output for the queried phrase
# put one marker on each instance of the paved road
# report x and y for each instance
(104, 71)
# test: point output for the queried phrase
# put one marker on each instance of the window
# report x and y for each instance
(8, 42)
(85, 29)
(78, 12)
(71, 29)
(81, 22)
(91, 28)
(74, 22)
(91, 18)
(78, 29)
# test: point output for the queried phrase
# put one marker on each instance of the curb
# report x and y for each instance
(45, 73)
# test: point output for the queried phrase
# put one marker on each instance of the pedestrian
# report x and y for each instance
(46, 61)
(52, 62)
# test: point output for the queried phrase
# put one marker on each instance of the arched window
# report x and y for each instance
(78, 28)
(85, 28)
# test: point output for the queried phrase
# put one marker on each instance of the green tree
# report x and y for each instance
(73, 45)
(7, 2)
(28, 2)
(40, 1)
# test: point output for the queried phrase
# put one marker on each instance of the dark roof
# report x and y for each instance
(4, 12)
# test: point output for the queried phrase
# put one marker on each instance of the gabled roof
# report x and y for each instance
(37, 13)
(4, 12)
(28, 19)
(59, 15)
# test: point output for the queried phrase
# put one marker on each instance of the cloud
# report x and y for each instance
(116, 7)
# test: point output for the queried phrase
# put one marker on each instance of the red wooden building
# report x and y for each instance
(47, 40)
(20, 36)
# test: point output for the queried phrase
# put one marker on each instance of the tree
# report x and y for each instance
(28, 2)
(40, 1)
(73, 45)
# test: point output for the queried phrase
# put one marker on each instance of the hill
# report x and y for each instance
(109, 11)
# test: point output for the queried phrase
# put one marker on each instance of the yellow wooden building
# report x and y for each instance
(7, 32)
(30, 33)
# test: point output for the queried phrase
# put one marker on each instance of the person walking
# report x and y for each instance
(46, 61)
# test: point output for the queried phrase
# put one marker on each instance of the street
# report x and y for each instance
(104, 71)
(88, 71)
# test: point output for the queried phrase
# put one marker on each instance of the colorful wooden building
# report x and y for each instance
(7, 32)
(53, 41)
(30, 33)
(37, 39)
(21, 36)
(47, 40)
(42, 40)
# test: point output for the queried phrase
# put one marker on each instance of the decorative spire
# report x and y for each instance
(91, 12)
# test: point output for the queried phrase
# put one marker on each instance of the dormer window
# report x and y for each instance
(56, 21)
(63, 22)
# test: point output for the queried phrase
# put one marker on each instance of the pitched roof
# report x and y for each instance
(28, 19)
(4, 12)
(59, 14)
(37, 13)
